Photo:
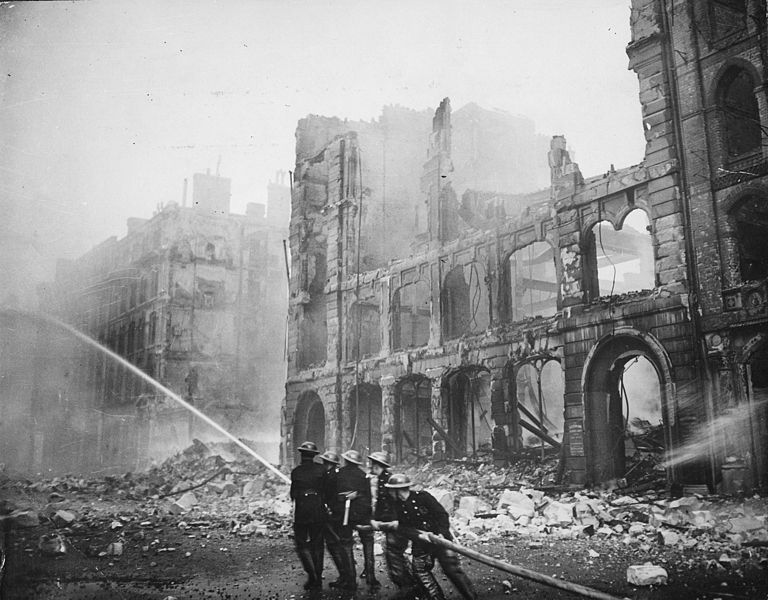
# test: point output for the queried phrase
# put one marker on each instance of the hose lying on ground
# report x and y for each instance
(425, 536)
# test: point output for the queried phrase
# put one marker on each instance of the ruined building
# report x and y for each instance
(601, 316)
(195, 297)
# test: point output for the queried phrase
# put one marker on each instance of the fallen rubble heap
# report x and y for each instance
(218, 486)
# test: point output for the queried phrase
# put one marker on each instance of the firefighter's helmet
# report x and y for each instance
(352, 456)
(309, 448)
(398, 480)
(381, 458)
(330, 457)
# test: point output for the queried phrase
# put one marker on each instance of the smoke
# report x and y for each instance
(55, 418)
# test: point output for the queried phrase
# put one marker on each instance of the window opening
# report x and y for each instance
(751, 220)
(623, 260)
(413, 434)
(533, 282)
(411, 307)
(742, 134)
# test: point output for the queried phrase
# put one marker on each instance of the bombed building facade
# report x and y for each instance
(196, 298)
(434, 321)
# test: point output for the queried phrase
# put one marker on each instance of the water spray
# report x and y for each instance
(156, 384)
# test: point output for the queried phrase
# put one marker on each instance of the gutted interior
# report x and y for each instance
(609, 320)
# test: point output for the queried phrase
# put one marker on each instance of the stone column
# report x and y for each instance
(385, 312)
(438, 443)
(761, 93)
(500, 419)
(388, 398)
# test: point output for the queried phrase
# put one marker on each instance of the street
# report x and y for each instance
(151, 536)
(209, 562)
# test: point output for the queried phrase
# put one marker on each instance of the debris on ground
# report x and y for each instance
(217, 486)
(647, 574)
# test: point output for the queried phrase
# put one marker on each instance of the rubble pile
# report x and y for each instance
(203, 487)
(218, 488)
(489, 504)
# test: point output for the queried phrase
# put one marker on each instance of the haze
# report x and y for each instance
(107, 106)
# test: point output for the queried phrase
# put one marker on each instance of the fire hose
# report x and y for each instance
(431, 538)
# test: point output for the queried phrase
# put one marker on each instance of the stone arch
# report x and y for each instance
(413, 409)
(308, 421)
(364, 409)
(536, 387)
(604, 419)
(739, 132)
(731, 63)
(466, 393)
(455, 309)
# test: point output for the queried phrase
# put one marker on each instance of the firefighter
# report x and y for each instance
(332, 540)
(350, 504)
(395, 544)
(420, 510)
(309, 515)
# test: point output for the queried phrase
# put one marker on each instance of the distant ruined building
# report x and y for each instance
(437, 314)
(196, 298)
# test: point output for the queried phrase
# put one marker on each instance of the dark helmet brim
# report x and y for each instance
(351, 459)
(379, 462)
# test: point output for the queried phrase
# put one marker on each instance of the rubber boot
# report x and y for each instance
(305, 556)
(368, 560)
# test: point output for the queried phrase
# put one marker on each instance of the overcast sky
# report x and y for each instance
(105, 107)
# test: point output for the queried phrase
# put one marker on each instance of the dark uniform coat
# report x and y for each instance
(422, 511)
(384, 510)
(306, 490)
(350, 478)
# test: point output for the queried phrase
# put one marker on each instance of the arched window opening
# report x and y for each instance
(309, 422)
(210, 251)
(363, 335)
(455, 304)
(750, 217)
(540, 389)
(625, 411)
(739, 114)
(533, 282)
(479, 315)
(411, 315)
(468, 408)
(413, 411)
(641, 409)
(620, 262)
(364, 404)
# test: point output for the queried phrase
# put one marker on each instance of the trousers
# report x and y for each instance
(309, 547)
(423, 561)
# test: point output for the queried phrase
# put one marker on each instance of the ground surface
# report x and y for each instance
(207, 561)
(147, 536)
